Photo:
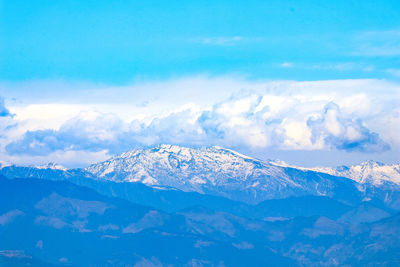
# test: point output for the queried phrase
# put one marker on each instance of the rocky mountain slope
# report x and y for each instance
(217, 171)
(368, 172)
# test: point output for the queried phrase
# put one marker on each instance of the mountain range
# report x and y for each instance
(202, 207)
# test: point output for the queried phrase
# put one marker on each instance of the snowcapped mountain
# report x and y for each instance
(51, 166)
(216, 171)
(222, 172)
(368, 172)
(299, 214)
(171, 165)
(50, 171)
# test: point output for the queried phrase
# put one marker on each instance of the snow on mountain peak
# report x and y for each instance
(52, 166)
(215, 170)
(370, 164)
(192, 169)
(370, 172)
(227, 150)
(224, 172)
(185, 160)
(4, 164)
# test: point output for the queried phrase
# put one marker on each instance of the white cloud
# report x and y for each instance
(335, 129)
(297, 135)
(283, 115)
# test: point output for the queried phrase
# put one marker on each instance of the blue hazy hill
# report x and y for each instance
(58, 222)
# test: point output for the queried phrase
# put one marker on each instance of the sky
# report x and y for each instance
(308, 82)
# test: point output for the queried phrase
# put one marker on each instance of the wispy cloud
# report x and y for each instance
(377, 43)
(221, 41)
(344, 66)
(286, 65)
(368, 68)
(394, 72)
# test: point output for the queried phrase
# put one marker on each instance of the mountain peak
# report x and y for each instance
(371, 164)
(367, 172)
(52, 165)
(170, 148)
(182, 151)
(191, 169)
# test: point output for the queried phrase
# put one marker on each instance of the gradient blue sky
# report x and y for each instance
(121, 41)
(140, 60)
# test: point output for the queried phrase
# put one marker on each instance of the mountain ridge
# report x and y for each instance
(220, 172)
(369, 171)
(216, 171)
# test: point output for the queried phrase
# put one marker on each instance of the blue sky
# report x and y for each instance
(141, 61)
(123, 41)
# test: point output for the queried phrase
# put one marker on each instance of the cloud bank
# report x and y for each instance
(284, 116)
